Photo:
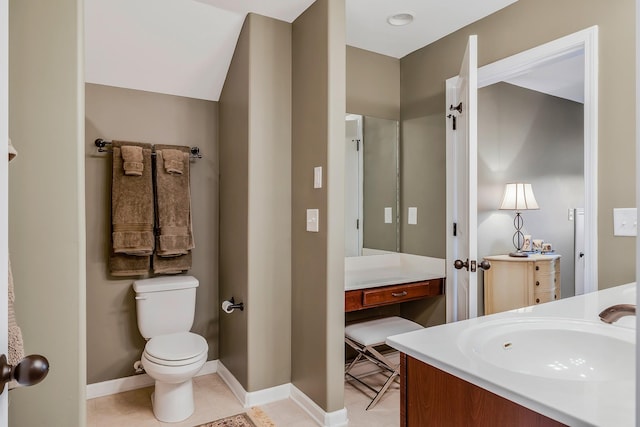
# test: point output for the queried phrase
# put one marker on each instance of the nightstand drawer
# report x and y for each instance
(542, 297)
(545, 267)
(542, 283)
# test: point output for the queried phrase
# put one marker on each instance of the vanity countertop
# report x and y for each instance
(572, 402)
(390, 269)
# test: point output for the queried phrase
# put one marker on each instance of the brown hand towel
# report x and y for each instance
(132, 214)
(173, 161)
(173, 202)
(132, 160)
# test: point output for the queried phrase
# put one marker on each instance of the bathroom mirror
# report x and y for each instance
(371, 185)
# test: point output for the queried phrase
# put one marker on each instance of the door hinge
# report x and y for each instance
(455, 229)
(357, 145)
(358, 224)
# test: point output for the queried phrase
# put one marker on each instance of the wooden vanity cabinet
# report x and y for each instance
(432, 397)
(514, 282)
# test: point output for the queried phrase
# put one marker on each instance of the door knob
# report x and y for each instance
(458, 264)
(29, 371)
(484, 264)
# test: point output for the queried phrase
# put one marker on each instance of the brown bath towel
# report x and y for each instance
(173, 201)
(173, 212)
(132, 214)
(171, 265)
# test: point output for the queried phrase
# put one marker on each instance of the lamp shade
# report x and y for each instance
(519, 197)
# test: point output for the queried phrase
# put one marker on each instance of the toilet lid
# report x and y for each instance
(174, 347)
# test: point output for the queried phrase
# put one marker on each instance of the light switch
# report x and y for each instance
(412, 218)
(388, 213)
(317, 177)
(625, 222)
(313, 219)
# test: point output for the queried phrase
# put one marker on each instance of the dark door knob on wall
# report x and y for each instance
(29, 371)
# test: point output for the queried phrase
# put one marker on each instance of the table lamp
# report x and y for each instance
(519, 197)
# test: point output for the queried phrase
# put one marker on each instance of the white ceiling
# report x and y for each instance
(184, 47)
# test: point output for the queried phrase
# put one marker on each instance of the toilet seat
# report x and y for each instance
(179, 349)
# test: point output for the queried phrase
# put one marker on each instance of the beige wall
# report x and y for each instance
(113, 340)
(255, 203)
(46, 205)
(523, 25)
(318, 258)
(373, 84)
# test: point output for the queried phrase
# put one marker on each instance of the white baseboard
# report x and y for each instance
(135, 382)
(247, 399)
(326, 419)
(253, 398)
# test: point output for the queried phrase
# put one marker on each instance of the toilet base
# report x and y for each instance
(173, 402)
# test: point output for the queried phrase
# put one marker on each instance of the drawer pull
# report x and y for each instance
(399, 294)
(537, 267)
(537, 283)
(537, 300)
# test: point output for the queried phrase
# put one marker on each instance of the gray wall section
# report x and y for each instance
(373, 84)
(113, 340)
(46, 206)
(255, 203)
(318, 258)
(234, 207)
(527, 136)
(521, 26)
(269, 280)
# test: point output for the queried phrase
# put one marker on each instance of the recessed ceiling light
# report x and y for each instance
(400, 19)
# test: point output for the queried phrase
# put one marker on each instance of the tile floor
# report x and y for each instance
(214, 400)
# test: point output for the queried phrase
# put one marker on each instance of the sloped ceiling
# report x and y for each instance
(184, 47)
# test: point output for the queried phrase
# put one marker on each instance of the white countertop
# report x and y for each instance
(390, 269)
(575, 403)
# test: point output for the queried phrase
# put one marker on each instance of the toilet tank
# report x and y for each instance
(165, 305)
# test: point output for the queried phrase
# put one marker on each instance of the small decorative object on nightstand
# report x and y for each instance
(519, 197)
(514, 282)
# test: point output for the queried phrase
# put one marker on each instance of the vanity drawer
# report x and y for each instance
(386, 295)
(399, 293)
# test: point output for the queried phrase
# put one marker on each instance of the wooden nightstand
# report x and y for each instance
(513, 282)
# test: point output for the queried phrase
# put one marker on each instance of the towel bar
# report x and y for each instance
(102, 144)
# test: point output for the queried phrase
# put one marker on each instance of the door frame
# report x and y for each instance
(504, 69)
(4, 192)
(512, 66)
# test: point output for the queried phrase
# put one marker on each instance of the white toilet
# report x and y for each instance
(165, 309)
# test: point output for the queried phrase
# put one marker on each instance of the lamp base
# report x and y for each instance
(519, 254)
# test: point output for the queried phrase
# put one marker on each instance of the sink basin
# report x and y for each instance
(557, 348)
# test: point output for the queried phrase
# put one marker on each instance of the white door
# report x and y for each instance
(462, 206)
(353, 186)
(4, 244)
